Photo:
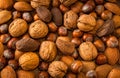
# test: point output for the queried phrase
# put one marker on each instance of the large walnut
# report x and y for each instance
(57, 69)
(48, 51)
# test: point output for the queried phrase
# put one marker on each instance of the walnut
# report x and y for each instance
(18, 27)
(86, 22)
(48, 51)
(87, 51)
(38, 29)
(57, 69)
(29, 61)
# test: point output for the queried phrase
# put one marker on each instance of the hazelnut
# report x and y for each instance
(106, 15)
(63, 8)
(77, 33)
(114, 73)
(1, 49)
(76, 41)
(36, 17)
(71, 75)
(43, 66)
(52, 27)
(55, 3)
(2, 62)
(4, 38)
(62, 31)
(75, 54)
(101, 59)
(13, 63)
(116, 19)
(99, 9)
(16, 14)
(43, 74)
(4, 28)
(93, 14)
(91, 74)
(18, 54)
(27, 16)
(87, 37)
(99, 1)
(52, 37)
(8, 54)
(11, 43)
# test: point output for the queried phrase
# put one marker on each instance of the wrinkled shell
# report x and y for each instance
(25, 74)
(87, 51)
(18, 27)
(114, 73)
(57, 69)
(5, 16)
(67, 2)
(1, 49)
(103, 70)
(29, 61)
(6, 4)
(86, 22)
(38, 29)
(112, 55)
(27, 44)
(25, 6)
(70, 19)
(48, 51)
(8, 72)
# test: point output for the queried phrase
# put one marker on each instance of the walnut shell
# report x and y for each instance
(38, 29)
(57, 69)
(114, 73)
(88, 51)
(48, 51)
(18, 27)
(86, 22)
(29, 61)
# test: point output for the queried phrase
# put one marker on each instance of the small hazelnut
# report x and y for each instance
(101, 59)
(4, 38)
(76, 41)
(2, 62)
(52, 27)
(16, 14)
(8, 54)
(62, 31)
(63, 8)
(91, 74)
(27, 16)
(70, 75)
(87, 37)
(75, 54)
(99, 9)
(77, 33)
(36, 17)
(4, 28)
(106, 15)
(52, 37)
(93, 14)
(43, 66)
(11, 43)
(43, 74)
(13, 63)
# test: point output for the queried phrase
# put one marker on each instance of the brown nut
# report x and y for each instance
(12, 43)
(116, 19)
(6, 4)
(106, 15)
(86, 22)
(62, 31)
(57, 69)
(69, 21)
(52, 37)
(77, 33)
(13, 63)
(55, 3)
(43, 66)
(87, 37)
(63, 8)
(4, 38)
(71, 75)
(99, 9)
(16, 14)
(27, 16)
(87, 51)
(1, 49)
(101, 59)
(114, 73)
(38, 29)
(52, 27)
(48, 51)
(91, 74)
(67, 2)
(18, 27)
(18, 54)
(76, 41)
(43, 74)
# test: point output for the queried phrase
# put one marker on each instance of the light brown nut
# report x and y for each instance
(112, 55)
(86, 22)
(5, 16)
(25, 74)
(103, 70)
(38, 29)
(8, 72)
(116, 19)
(29, 61)
(1, 49)
(88, 51)
(18, 54)
(48, 51)
(113, 8)
(57, 69)
(6, 4)
(70, 19)
(18, 27)
(114, 73)
(67, 2)
(22, 6)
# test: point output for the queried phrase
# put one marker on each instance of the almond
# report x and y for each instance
(112, 55)
(25, 6)
(6, 4)
(115, 73)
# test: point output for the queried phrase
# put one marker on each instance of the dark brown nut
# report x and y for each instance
(43, 74)
(99, 1)
(2, 62)
(57, 16)
(37, 3)
(65, 47)
(106, 15)
(76, 41)
(91, 74)
(76, 66)
(112, 42)
(68, 60)
(27, 44)
(57, 69)
(43, 66)
(25, 6)
(6, 14)
(1, 49)
(86, 22)
(18, 27)
(44, 13)
(101, 59)
(4, 38)
(63, 8)
(99, 45)
(52, 27)
(8, 72)
(77, 33)
(8, 54)
(18, 54)
(113, 8)
(62, 31)
(24, 74)
(88, 65)
(38, 29)
(16, 14)
(106, 29)
(12, 43)
(27, 16)
(71, 75)
(116, 19)
(103, 70)
(13, 63)
(48, 51)
(114, 73)
(52, 37)
(88, 6)
(4, 28)
(99, 9)
(55, 3)
(112, 55)
(67, 2)
(29, 61)
(88, 51)
(6, 4)
(69, 21)
(87, 37)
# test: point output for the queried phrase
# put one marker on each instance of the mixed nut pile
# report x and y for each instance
(59, 39)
